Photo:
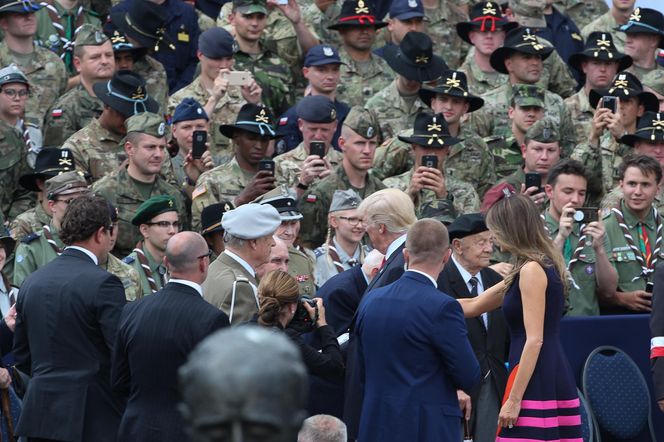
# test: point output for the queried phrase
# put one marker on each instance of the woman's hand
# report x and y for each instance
(509, 413)
(10, 319)
(5, 378)
(321, 312)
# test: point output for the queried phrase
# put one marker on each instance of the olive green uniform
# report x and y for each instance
(29, 222)
(301, 267)
(34, 252)
(156, 267)
(395, 112)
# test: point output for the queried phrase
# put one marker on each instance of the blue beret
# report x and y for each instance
(251, 221)
(217, 43)
(189, 109)
(316, 109)
(321, 55)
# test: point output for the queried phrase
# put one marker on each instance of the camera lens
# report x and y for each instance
(579, 216)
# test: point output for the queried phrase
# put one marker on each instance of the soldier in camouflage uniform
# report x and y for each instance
(129, 187)
(600, 61)
(645, 37)
(45, 71)
(128, 276)
(298, 168)
(425, 183)
(358, 143)
(398, 104)
(582, 12)
(239, 181)
(157, 220)
(220, 101)
(363, 73)
(521, 50)
(616, 16)
(654, 82)
(43, 246)
(526, 108)
(96, 147)
(485, 31)
(80, 105)
(469, 160)
(603, 152)
(442, 17)
(634, 230)
(50, 162)
(319, 20)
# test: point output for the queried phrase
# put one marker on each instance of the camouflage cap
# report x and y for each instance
(544, 131)
(152, 207)
(90, 35)
(65, 184)
(345, 200)
(529, 13)
(655, 80)
(246, 7)
(362, 121)
(527, 95)
(146, 123)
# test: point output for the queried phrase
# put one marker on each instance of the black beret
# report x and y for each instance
(467, 225)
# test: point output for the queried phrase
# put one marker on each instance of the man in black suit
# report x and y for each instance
(155, 337)
(67, 317)
(387, 215)
(466, 275)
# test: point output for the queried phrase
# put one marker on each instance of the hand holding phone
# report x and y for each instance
(534, 179)
(238, 78)
(198, 146)
(267, 165)
(430, 161)
(317, 148)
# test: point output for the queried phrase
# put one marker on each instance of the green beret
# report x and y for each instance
(154, 206)
(146, 123)
(90, 35)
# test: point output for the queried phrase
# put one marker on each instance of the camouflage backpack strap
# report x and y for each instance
(51, 241)
(145, 266)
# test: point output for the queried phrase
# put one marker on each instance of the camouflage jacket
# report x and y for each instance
(154, 74)
(318, 21)
(29, 222)
(120, 189)
(461, 196)
(506, 153)
(642, 72)
(224, 112)
(48, 79)
(14, 199)
(605, 23)
(129, 277)
(492, 117)
(581, 113)
(394, 112)
(441, 27)
(288, 165)
(69, 114)
(480, 82)
(34, 252)
(224, 182)
(361, 81)
(582, 12)
(315, 203)
(557, 77)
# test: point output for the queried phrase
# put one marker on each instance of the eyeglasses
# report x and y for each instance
(207, 255)
(165, 224)
(352, 220)
(67, 201)
(12, 93)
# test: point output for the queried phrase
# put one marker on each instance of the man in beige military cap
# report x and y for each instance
(145, 145)
(358, 142)
(231, 283)
(94, 61)
(41, 247)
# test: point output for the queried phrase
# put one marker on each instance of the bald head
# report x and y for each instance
(182, 253)
(372, 263)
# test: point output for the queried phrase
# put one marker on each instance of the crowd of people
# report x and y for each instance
(170, 168)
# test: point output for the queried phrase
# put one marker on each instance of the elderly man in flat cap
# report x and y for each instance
(41, 247)
(231, 283)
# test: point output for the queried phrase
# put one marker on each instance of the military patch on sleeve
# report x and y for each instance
(311, 198)
(128, 259)
(200, 190)
(320, 251)
(283, 121)
(56, 113)
(28, 239)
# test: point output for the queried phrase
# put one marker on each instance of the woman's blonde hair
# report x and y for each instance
(275, 290)
(517, 225)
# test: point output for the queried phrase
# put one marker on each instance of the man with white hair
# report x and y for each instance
(231, 284)
(322, 428)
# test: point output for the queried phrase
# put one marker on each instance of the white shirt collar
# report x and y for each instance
(433, 281)
(465, 274)
(91, 255)
(394, 245)
(186, 282)
(242, 262)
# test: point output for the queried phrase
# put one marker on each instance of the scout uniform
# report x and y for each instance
(650, 22)
(127, 194)
(225, 182)
(316, 201)
(231, 284)
(332, 259)
(152, 273)
(43, 246)
(431, 131)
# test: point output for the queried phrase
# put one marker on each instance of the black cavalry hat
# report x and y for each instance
(50, 162)
(521, 40)
(484, 16)
(645, 21)
(599, 46)
(251, 118)
(414, 58)
(650, 128)
(357, 13)
(145, 23)
(455, 84)
(626, 85)
(126, 93)
(430, 130)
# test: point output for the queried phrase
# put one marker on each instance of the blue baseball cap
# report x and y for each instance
(189, 109)
(217, 43)
(321, 55)
(406, 9)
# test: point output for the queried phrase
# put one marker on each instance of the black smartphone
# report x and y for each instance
(198, 146)
(609, 102)
(430, 161)
(317, 148)
(534, 179)
(585, 215)
(266, 165)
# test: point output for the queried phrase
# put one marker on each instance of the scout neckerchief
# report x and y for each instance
(646, 258)
(570, 256)
(145, 265)
(51, 241)
(333, 256)
(67, 32)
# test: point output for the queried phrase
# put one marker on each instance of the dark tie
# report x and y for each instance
(473, 284)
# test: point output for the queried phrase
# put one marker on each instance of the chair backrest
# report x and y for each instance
(587, 424)
(616, 392)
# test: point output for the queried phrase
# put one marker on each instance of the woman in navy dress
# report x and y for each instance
(540, 401)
